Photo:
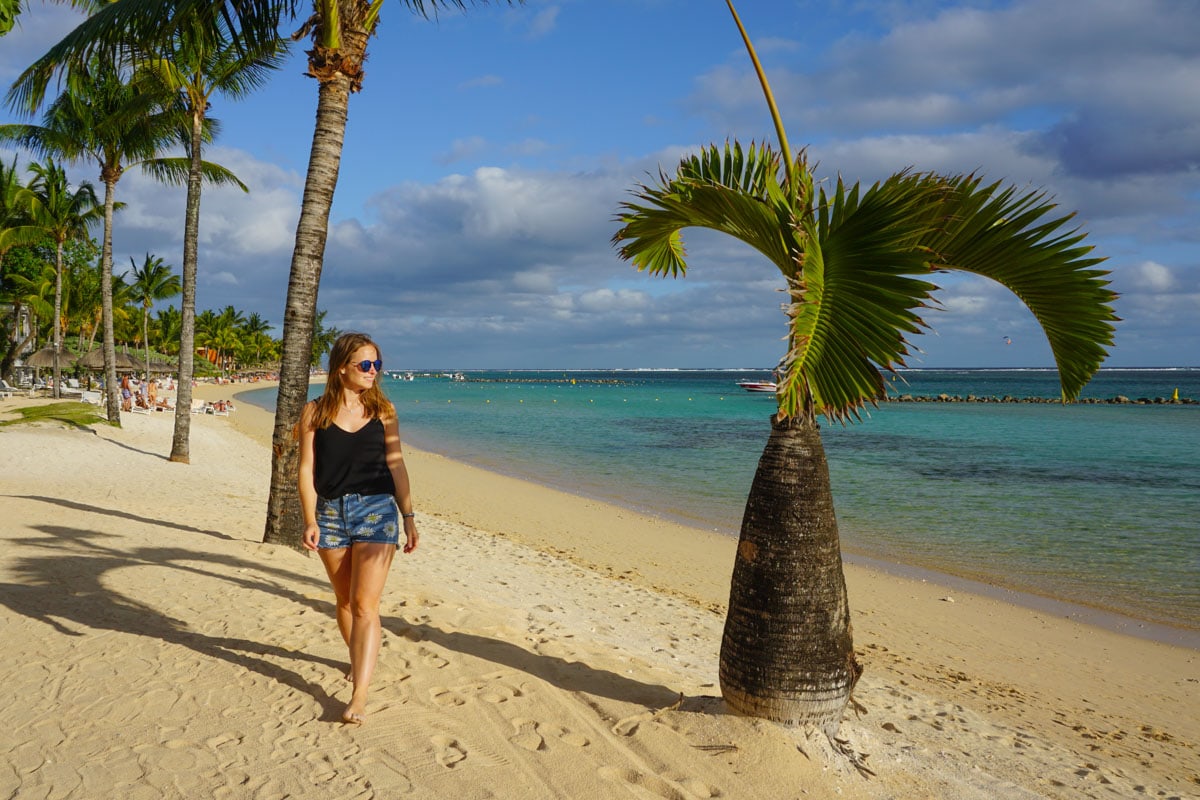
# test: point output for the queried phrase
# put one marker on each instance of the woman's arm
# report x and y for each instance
(395, 463)
(308, 487)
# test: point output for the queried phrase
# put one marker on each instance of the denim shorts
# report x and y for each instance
(351, 518)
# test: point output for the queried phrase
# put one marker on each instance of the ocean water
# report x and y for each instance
(1092, 504)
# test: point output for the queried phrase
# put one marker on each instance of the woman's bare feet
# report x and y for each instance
(353, 717)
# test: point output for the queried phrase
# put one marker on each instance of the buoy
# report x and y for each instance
(1176, 395)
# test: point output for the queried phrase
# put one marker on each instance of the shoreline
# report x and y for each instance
(711, 597)
(537, 645)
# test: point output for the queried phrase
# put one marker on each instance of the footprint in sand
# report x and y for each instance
(530, 735)
(527, 735)
(448, 752)
(629, 725)
(444, 697)
(657, 785)
(432, 659)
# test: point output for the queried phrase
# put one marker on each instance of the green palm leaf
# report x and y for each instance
(1006, 236)
(732, 191)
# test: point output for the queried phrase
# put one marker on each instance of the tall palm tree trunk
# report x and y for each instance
(180, 439)
(787, 653)
(58, 268)
(284, 523)
(112, 392)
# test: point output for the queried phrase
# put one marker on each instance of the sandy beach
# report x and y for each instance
(537, 645)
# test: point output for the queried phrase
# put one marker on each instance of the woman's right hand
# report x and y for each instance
(312, 535)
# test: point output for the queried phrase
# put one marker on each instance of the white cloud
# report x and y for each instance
(1154, 277)
(543, 22)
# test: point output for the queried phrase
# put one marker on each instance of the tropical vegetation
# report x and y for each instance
(857, 262)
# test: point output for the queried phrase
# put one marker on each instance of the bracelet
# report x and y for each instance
(407, 516)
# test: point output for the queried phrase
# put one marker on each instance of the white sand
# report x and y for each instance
(537, 645)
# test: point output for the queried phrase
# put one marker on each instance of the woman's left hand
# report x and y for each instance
(410, 534)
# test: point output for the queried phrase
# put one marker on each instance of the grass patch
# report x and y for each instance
(77, 415)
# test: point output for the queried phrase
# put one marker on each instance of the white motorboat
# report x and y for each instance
(766, 387)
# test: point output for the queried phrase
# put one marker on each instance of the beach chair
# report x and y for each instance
(95, 398)
(198, 406)
(7, 389)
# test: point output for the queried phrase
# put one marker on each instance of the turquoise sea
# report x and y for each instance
(1091, 504)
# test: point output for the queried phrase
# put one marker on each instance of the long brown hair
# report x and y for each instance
(374, 401)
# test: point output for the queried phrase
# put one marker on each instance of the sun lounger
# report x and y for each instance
(95, 398)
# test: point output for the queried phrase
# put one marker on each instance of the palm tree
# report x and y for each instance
(168, 323)
(114, 123)
(323, 339)
(36, 293)
(63, 214)
(152, 281)
(340, 32)
(855, 261)
(133, 119)
(15, 231)
(197, 63)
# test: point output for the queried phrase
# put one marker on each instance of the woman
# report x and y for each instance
(355, 497)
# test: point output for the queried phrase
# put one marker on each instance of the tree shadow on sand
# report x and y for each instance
(570, 676)
(112, 512)
(66, 590)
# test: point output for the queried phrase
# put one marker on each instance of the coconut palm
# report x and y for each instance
(857, 262)
(152, 281)
(339, 32)
(106, 118)
(198, 62)
(166, 101)
(168, 324)
(15, 231)
(63, 213)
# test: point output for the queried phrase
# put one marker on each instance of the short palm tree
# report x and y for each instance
(63, 213)
(152, 281)
(857, 262)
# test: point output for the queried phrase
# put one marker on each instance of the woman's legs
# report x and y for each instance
(337, 566)
(358, 576)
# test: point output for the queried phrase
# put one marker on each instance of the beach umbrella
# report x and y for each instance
(125, 362)
(44, 359)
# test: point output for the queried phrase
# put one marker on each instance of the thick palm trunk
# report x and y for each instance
(284, 523)
(787, 653)
(112, 392)
(181, 438)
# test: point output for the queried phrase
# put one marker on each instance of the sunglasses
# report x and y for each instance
(365, 366)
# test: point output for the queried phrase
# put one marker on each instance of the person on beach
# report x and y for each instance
(355, 497)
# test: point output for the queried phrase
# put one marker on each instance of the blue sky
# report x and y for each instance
(488, 152)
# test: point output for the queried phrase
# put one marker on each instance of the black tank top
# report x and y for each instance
(346, 463)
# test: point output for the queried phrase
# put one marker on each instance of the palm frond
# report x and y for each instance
(858, 295)
(1007, 236)
(174, 171)
(732, 191)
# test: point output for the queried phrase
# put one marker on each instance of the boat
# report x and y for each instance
(767, 387)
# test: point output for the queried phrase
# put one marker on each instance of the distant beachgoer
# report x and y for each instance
(355, 496)
(126, 394)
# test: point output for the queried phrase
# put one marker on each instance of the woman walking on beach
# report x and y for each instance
(355, 496)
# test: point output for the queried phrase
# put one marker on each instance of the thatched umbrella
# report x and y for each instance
(44, 359)
(125, 362)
